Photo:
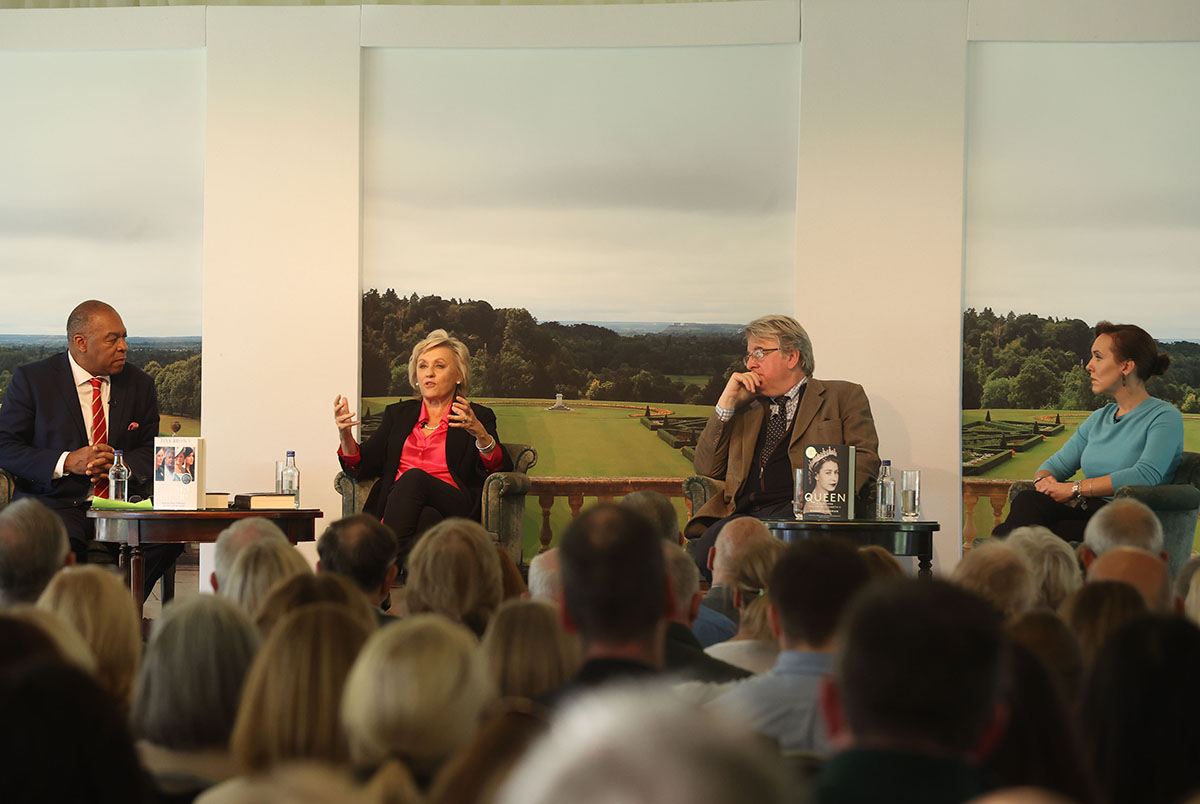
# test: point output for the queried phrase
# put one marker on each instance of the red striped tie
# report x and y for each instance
(99, 431)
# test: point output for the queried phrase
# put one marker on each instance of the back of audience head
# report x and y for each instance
(658, 510)
(454, 571)
(1099, 610)
(1000, 575)
(476, 772)
(1142, 570)
(918, 663)
(1139, 711)
(1056, 570)
(191, 679)
(528, 651)
(97, 603)
(1123, 522)
(880, 563)
(1183, 581)
(231, 541)
(33, 546)
(512, 585)
(685, 583)
(69, 647)
(545, 576)
(811, 585)
(415, 694)
(614, 578)
(363, 549)
(258, 567)
(305, 589)
(733, 540)
(1045, 635)
(656, 750)
(290, 701)
(751, 586)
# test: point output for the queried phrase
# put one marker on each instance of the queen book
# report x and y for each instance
(823, 486)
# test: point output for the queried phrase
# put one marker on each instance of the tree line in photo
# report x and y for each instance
(513, 355)
(1032, 363)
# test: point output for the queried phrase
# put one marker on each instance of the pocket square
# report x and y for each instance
(132, 426)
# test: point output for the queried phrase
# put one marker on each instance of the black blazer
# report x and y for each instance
(380, 456)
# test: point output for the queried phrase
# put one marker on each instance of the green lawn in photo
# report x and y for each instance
(593, 439)
(1023, 465)
(690, 379)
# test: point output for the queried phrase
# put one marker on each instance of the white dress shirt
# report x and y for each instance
(83, 387)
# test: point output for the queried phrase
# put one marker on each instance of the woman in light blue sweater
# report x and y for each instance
(1136, 440)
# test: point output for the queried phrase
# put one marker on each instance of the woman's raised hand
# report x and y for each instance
(345, 421)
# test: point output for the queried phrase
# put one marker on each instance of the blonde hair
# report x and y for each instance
(462, 357)
(100, 607)
(454, 571)
(290, 701)
(416, 693)
(67, 642)
(999, 574)
(527, 650)
(258, 567)
(305, 589)
(1056, 571)
(880, 563)
(752, 582)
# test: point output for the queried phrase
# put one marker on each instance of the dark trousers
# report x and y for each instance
(157, 559)
(699, 547)
(416, 502)
(1031, 507)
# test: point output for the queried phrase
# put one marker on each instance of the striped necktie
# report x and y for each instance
(99, 431)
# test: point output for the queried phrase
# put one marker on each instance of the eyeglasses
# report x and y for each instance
(759, 354)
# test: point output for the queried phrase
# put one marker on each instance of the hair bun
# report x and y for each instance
(1160, 364)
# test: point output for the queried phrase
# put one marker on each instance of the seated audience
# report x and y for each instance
(289, 706)
(414, 696)
(187, 693)
(512, 585)
(1000, 575)
(258, 567)
(1046, 636)
(545, 577)
(33, 546)
(1142, 570)
(96, 602)
(1183, 581)
(231, 541)
(527, 650)
(755, 647)
(683, 655)
(1099, 610)
(641, 747)
(305, 589)
(363, 549)
(914, 698)
(724, 560)
(1139, 713)
(881, 564)
(302, 782)
(810, 587)
(1056, 571)
(1191, 606)
(477, 771)
(1124, 522)
(453, 571)
(69, 647)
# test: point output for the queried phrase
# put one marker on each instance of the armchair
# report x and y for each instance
(6, 488)
(503, 497)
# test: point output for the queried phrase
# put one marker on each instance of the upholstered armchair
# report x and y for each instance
(6, 488)
(503, 497)
(1176, 504)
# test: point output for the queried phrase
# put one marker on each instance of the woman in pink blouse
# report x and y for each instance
(431, 454)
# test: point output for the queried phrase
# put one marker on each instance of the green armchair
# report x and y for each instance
(7, 484)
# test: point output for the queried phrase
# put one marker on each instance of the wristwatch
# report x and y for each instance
(1075, 490)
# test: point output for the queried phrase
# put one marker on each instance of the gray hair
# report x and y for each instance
(33, 546)
(658, 509)
(684, 575)
(192, 674)
(545, 576)
(258, 567)
(1000, 575)
(1124, 522)
(1056, 570)
(788, 333)
(462, 356)
(231, 541)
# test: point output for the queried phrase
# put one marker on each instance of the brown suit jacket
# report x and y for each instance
(831, 412)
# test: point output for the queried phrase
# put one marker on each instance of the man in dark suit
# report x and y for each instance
(755, 438)
(64, 416)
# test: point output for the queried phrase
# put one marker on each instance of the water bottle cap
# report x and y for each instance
(116, 452)
(291, 453)
(887, 463)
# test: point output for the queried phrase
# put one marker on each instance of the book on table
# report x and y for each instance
(825, 486)
(216, 500)
(179, 469)
(264, 501)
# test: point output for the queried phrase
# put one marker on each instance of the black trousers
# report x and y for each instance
(1031, 507)
(416, 502)
(81, 531)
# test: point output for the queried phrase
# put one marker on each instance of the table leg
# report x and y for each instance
(136, 578)
(925, 566)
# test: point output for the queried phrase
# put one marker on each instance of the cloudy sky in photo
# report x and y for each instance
(1083, 182)
(101, 188)
(643, 184)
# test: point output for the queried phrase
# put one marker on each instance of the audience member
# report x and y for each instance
(545, 577)
(1046, 636)
(415, 694)
(453, 571)
(1056, 571)
(231, 541)
(1124, 522)
(724, 560)
(187, 693)
(914, 697)
(302, 782)
(33, 546)
(1191, 605)
(363, 549)
(683, 656)
(640, 747)
(306, 589)
(1099, 610)
(527, 650)
(755, 646)
(1139, 713)
(477, 771)
(1000, 575)
(810, 587)
(95, 601)
(1142, 570)
(289, 706)
(880, 563)
(69, 647)
(1183, 581)
(1022, 795)
(258, 567)
(658, 511)
(512, 585)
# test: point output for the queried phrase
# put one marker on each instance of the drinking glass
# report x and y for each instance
(279, 477)
(910, 495)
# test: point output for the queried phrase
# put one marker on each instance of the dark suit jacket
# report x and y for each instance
(380, 456)
(831, 412)
(684, 657)
(41, 419)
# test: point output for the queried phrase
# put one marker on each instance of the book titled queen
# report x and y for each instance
(824, 485)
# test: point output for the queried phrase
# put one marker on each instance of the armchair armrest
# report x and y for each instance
(354, 492)
(503, 512)
(1019, 486)
(1163, 498)
(698, 490)
(7, 485)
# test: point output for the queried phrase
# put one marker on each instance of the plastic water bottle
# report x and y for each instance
(118, 478)
(885, 493)
(291, 477)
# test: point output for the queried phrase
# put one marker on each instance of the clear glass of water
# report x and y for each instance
(910, 495)
(798, 496)
(279, 477)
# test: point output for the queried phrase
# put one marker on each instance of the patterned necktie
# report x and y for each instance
(776, 430)
(99, 432)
